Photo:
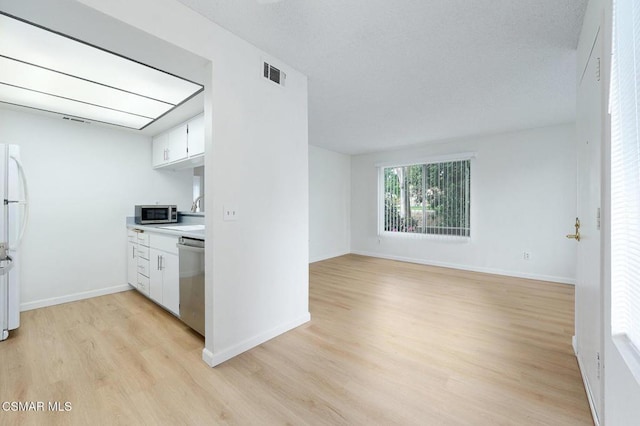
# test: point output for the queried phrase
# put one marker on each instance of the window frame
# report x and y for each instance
(618, 231)
(463, 156)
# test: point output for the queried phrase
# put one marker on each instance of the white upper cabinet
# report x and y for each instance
(195, 137)
(159, 151)
(181, 146)
(177, 146)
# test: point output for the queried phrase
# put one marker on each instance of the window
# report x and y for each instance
(625, 180)
(431, 198)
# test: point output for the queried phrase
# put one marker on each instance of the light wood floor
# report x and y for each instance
(388, 343)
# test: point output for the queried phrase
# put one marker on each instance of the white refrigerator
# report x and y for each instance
(13, 220)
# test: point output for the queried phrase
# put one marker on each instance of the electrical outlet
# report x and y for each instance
(526, 255)
(230, 213)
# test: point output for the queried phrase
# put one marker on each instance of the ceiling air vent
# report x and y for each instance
(77, 120)
(274, 74)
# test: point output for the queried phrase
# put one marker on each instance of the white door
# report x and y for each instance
(589, 294)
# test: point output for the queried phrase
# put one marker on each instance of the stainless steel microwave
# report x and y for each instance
(147, 215)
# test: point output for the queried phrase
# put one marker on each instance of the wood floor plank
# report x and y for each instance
(388, 343)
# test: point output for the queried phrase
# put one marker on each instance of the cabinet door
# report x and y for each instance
(177, 147)
(170, 283)
(195, 137)
(132, 264)
(155, 275)
(159, 150)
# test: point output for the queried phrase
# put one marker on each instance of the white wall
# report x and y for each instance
(260, 166)
(329, 204)
(256, 162)
(523, 190)
(84, 180)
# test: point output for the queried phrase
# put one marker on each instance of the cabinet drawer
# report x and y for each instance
(143, 238)
(143, 266)
(143, 284)
(143, 252)
(132, 236)
(164, 243)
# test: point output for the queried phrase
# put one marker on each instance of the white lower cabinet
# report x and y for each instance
(171, 292)
(152, 267)
(165, 280)
(143, 284)
(142, 253)
(155, 276)
(132, 262)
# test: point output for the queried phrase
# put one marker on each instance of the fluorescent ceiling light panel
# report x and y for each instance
(17, 96)
(59, 74)
(42, 80)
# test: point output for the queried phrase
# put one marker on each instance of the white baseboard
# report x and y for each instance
(207, 356)
(494, 271)
(594, 413)
(73, 297)
(215, 358)
(327, 256)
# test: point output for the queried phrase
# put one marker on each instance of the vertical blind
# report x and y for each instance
(429, 198)
(625, 172)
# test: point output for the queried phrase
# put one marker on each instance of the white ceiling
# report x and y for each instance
(388, 73)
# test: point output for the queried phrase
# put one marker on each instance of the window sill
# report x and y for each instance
(431, 237)
(629, 353)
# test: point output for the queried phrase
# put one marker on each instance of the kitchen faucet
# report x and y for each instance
(196, 204)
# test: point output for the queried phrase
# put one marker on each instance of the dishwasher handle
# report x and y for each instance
(190, 248)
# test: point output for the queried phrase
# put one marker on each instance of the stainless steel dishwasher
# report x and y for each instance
(191, 255)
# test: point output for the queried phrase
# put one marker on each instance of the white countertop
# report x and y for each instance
(190, 227)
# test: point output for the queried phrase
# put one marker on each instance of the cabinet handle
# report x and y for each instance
(161, 262)
(158, 263)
